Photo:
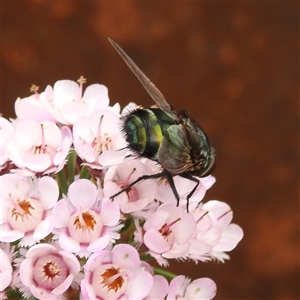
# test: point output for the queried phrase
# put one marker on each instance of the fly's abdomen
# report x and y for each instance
(144, 130)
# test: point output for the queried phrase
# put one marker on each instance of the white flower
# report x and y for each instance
(98, 139)
(6, 131)
(67, 103)
(32, 108)
(167, 233)
(26, 207)
(199, 289)
(39, 147)
(135, 198)
(83, 222)
(48, 272)
(118, 274)
(214, 234)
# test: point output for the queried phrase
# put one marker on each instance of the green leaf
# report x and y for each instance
(71, 164)
(62, 181)
(84, 173)
(166, 274)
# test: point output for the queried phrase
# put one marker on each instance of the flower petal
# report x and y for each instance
(40, 250)
(99, 244)
(139, 286)
(43, 228)
(159, 288)
(110, 213)
(68, 244)
(49, 192)
(26, 271)
(14, 186)
(61, 214)
(125, 256)
(37, 162)
(155, 242)
(41, 294)
(82, 193)
(64, 286)
(201, 289)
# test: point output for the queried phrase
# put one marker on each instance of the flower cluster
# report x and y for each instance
(61, 234)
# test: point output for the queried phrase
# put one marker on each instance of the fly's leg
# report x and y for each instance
(144, 177)
(190, 177)
(165, 174)
(172, 185)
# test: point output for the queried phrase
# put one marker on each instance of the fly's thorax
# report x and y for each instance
(201, 152)
(185, 148)
(144, 130)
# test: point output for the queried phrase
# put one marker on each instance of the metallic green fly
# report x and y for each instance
(161, 134)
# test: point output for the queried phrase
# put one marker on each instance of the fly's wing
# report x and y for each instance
(152, 90)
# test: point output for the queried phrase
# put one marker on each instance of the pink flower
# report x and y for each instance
(98, 139)
(167, 233)
(48, 272)
(159, 289)
(32, 108)
(231, 234)
(184, 187)
(67, 103)
(215, 234)
(138, 196)
(9, 272)
(83, 223)
(6, 131)
(39, 147)
(6, 271)
(199, 289)
(26, 208)
(118, 274)
(205, 235)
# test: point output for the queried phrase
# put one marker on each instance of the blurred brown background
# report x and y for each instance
(234, 66)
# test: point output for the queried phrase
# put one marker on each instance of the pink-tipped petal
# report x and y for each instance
(49, 192)
(41, 293)
(159, 288)
(64, 286)
(110, 213)
(139, 286)
(99, 244)
(43, 228)
(26, 271)
(82, 193)
(125, 256)
(68, 244)
(155, 241)
(61, 214)
(201, 289)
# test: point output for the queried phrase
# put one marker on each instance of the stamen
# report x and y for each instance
(126, 181)
(166, 227)
(227, 212)
(43, 139)
(20, 209)
(34, 89)
(51, 270)
(201, 217)
(43, 147)
(99, 127)
(85, 221)
(81, 80)
(112, 278)
(102, 141)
